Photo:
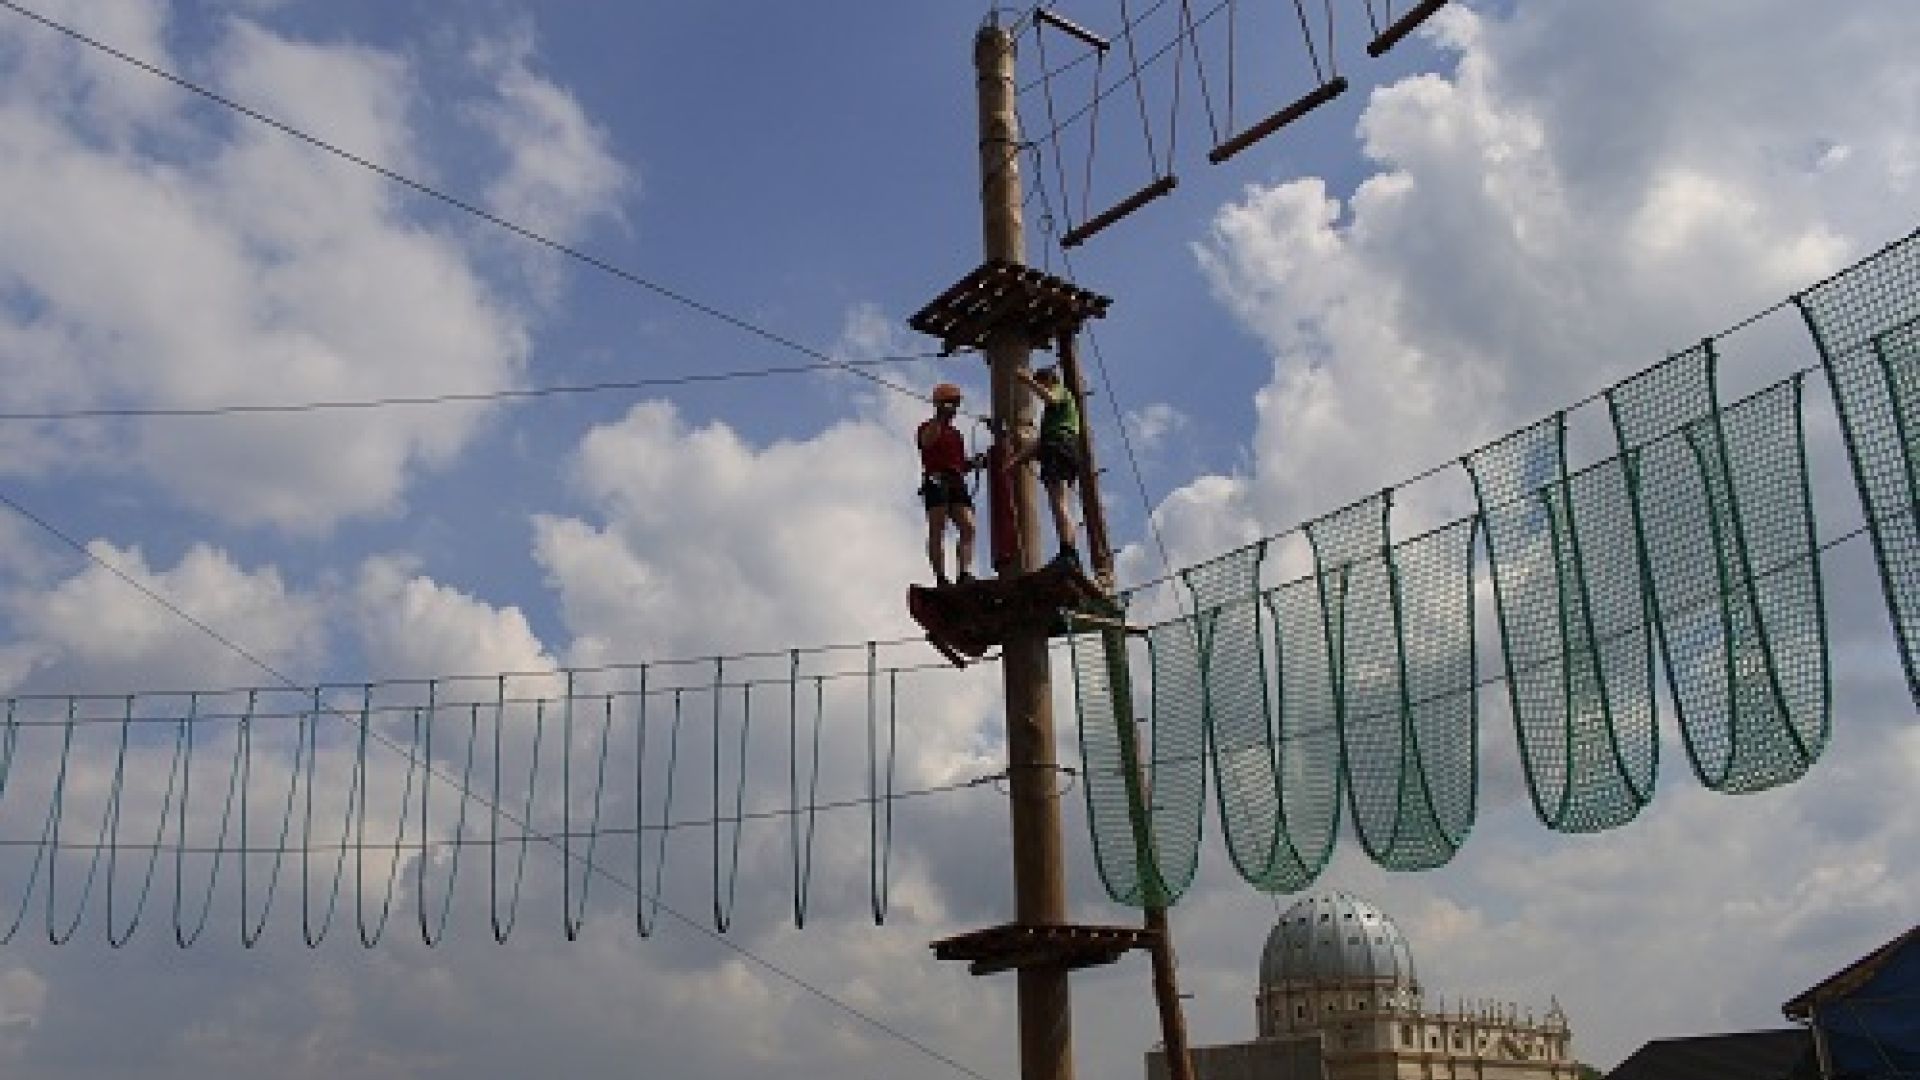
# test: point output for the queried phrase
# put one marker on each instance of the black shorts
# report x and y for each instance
(1059, 460)
(945, 489)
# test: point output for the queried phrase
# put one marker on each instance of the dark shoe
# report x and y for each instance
(964, 578)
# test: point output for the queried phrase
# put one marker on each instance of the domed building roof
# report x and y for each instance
(1336, 939)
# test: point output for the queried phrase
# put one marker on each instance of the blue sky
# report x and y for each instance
(1515, 209)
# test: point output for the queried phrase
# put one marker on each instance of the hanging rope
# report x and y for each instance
(502, 927)
(576, 917)
(431, 934)
(647, 905)
(800, 833)
(879, 804)
(726, 884)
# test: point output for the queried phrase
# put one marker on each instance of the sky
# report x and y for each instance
(1513, 210)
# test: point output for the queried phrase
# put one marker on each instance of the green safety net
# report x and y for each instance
(1399, 623)
(1573, 616)
(1725, 523)
(1866, 323)
(1144, 805)
(1356, 685)
(1307, 725)
(1240, 732)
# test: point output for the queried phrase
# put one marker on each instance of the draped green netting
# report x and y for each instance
(1176, 790)
(1399, 622)
(1233, 669)
(1109, 769)
(1143, 807)
(1726, 529)
(1306, 727)
(1574, 633)
(1864, 323)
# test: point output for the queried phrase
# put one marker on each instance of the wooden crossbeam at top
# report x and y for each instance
(1001, 296)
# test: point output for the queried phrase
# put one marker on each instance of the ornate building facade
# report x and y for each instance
(1339, 999)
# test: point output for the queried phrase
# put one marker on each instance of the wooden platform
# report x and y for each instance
(964, 621)
(1002, 296)
(1016, 945)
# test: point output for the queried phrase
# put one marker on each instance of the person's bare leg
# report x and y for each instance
(1062, 519)
(963, 521)
(936, 533)
(962, 517)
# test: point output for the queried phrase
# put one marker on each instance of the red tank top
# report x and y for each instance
(946, 452)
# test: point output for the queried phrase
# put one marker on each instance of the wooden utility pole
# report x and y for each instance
(1039, 880)
(1005, 309)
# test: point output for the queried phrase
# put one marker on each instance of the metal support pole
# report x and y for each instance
(1039, 880)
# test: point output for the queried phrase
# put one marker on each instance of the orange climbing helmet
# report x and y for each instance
(946, 393)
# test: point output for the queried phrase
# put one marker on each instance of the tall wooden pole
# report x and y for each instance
(1039, 880)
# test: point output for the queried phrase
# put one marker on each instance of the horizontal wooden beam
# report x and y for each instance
(1403, 26)
(1312, 100)
(1071, 29)
(1078, 234)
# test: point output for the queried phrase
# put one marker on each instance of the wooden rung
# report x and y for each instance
(1079, 234)
(1403, 26)
(1315, 98)
(1079, 617)
(1070, 28)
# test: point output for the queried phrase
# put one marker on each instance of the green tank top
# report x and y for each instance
(1060, 420)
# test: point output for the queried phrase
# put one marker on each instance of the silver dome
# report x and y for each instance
(1336, 939)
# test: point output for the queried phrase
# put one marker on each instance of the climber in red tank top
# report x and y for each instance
(943, 484)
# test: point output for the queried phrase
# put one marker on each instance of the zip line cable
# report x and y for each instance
(458, 203)
(521, 393)
(523, 822)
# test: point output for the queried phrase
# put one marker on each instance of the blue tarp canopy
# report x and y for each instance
(1868, 1016)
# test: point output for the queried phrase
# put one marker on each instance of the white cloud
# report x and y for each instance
(94, 630)
(411, 626)
(241, 265)
(560, 174)
(804, 528)
(1150, 426)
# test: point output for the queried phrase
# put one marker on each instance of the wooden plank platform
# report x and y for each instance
(964, 621)
(1002, 296)
(1065, 947)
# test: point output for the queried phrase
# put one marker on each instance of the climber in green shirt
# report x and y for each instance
(1058, 451)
